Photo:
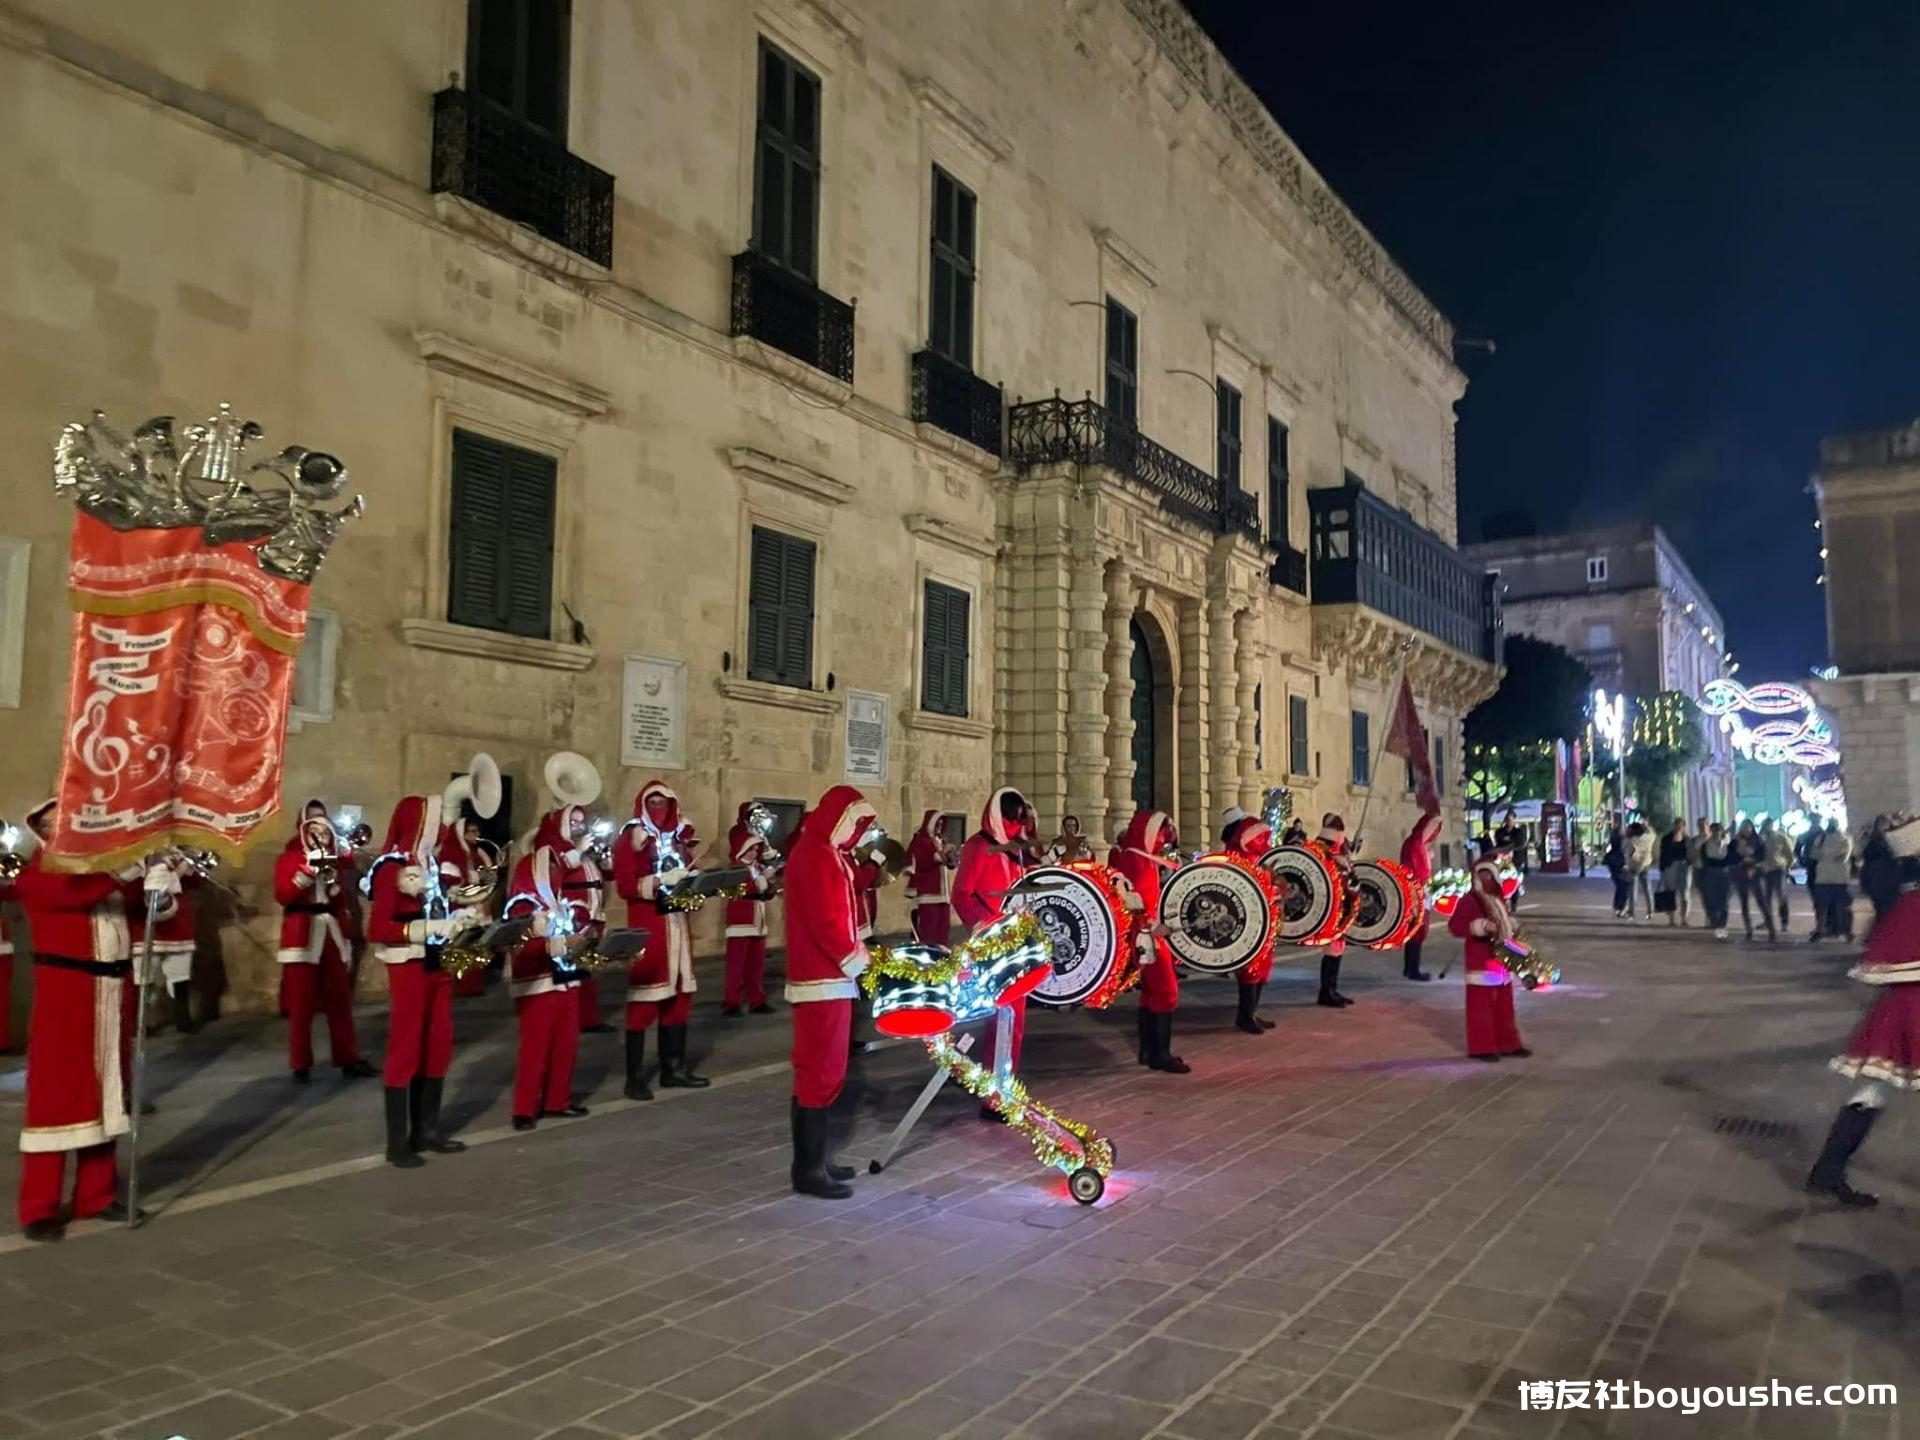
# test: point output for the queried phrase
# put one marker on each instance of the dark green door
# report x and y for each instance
(1141, 668)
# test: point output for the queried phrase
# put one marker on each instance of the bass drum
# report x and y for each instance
(1219, 914)
(1073, 909)
(1310, 894)
(1388, 907)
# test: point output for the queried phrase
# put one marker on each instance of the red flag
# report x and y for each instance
(1408, 740)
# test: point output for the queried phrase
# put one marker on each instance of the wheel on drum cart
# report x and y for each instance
(1085, 1185)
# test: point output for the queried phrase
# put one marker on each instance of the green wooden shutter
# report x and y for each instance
(780, 609)
(944, 647)
(796, 620)
(764, 606)
(500, 537)
(529, 541)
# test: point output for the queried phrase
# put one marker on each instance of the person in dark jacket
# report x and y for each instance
(1616, 863)
(1879, 870)
(1675, 872)
(1748, 863)
(1715, 855)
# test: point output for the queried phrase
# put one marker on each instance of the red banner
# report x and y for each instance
(1408, 740)
(183, 660)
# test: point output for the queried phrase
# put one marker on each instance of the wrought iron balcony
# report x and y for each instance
(1289, 568)
(1042, 432)
(778, 308)
(484, 154)
(1368, 553)
(951, 396)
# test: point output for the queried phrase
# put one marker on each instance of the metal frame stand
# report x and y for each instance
(136, 1087)
(1002, 1068)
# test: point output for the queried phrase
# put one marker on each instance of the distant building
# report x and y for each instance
(1624, 601)
(1868, 487)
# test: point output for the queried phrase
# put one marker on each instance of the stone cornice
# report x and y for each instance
(466, 640)
(944, 107)
(789, 476)
(450, 355)
(1141, 268)
(1369, 645)
(955, 537)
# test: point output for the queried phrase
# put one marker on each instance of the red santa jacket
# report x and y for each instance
(1247, 836)
(313, 911)
(824, 954)
(77, 920)
(640, 856)
(1416, 853)
(1482, 920)
(985, 875)
(416, 843)
(927, 873)
(173, 927)
(1892, 953)
(1137, 857)
(539, 888)
(747, 916)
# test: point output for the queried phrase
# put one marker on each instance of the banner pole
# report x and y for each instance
(136, 1089)
(1393, 697)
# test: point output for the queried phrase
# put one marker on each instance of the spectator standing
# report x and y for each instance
(1695, 843)
(1832, 881)
(1715, 864)
(1616, 863)
(1879, 870)
(1640, 866)
(1748, 862)
(1675, 872)
(1775, 872)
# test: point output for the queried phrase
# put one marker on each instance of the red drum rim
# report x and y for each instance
(1022, 987)
(914, 1022)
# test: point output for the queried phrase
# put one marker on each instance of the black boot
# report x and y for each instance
(357, 1070)
(1163, 1057)
(1145, 1017)
(637, 1066)
(834, 1172)
(1330, 982)
(675, 1072)
(183, 1020)
(1243, 1018)
(1258, 1018)
(1829, 1175)
(810, 1175)
(1413, 970)
(426, 1132)
(399, 1117)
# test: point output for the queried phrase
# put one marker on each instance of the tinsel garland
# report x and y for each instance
(1345, 906)
(1037, 1122)
(1444, 890)
(1126, 967)
(459, 961)
(1532, 969)
(1011, 932)
(691, 904)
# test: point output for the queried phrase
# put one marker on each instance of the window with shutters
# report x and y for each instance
(500, 537)
(517, 59)
(1439, 765)
(1277, 496)
(786, 165)
(945, 632)
(1297, 742)
(1123, 362)
(950, 327)
(1227, 436)
(780, 609)
(1362, 750)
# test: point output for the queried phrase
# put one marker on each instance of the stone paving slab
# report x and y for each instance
(1340, 1229)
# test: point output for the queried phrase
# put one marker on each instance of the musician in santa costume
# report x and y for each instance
(929, 863)
(866, 893)
(656, 851)
(990, 865)
(78, 1039)
(1141, 857)
(411, 921)
(825, 958)
(313, 881)
(173, 944)
(1884, 1052)
(747, 922)
(1333, 835)
(1249, 837)
(1417, 855)
(466, 854)
(550, 886)
(1484, 922)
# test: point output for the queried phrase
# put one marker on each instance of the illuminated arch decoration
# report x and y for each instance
(1793, 732)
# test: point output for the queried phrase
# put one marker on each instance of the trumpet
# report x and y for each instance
(599, 843)
(761, 820)
(12, 862)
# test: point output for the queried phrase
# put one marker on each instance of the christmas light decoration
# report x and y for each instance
(1077, 1150)
(1125, 974)
(1445, 889)
(1804, 740)
(1527, 965)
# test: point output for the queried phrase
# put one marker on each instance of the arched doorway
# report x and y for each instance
(1145, 739)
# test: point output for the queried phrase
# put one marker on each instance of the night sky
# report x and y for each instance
(1693, 231)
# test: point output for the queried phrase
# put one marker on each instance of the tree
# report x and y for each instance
(1510, 737)
(1666, 741)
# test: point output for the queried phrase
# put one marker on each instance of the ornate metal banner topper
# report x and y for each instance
(148, 481)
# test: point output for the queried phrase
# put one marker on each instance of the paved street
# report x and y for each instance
(1340, 1229)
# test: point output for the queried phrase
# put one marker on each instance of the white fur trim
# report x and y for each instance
(1489, 977)
(1904, 973)
(854, 965)
(324, 928)
(400, 954)
(538, 985)
(803, 992)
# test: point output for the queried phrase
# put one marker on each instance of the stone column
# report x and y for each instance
(1086, 697)
(1191, 710)
(1120, 608)
(1223, 729)
(1249, 655)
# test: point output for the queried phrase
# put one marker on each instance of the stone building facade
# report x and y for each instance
(1624, 601)
(1868, 487)
(721, 343)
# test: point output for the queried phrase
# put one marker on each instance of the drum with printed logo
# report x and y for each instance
(1219, 913)
(1312, 898)
(1388, 905)
(1074, 904)
(909, 1007)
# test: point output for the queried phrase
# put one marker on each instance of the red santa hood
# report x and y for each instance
(1249, 836)
(995, 824)
(661, 788)
(556, 829)
(840, 819)
(415, 829)
(1145, 832)
(298, 840)
(930, 825)
(741, 841)
(1333, 830)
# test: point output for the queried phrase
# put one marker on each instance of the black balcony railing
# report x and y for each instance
(484, 154)
(1041, 432)
(777, 307)
(1368, 553)
(951, 396)
(1289, 568)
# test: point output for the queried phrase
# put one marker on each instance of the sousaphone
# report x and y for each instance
(571, 779)
(479, 787)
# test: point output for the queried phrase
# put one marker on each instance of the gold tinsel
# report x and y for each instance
(1027, 1115)
(1009, 933)
(460, 961)
(690, 904)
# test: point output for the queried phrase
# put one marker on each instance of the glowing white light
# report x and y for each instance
(9, 837)
(1610, 720)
